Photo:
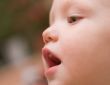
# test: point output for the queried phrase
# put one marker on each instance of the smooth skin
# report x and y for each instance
(79, 33)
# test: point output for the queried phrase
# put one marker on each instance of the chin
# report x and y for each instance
(61, 80)
(57, 82)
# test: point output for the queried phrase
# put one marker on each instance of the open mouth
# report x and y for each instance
(51, 59)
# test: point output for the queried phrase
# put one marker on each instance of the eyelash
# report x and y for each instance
(73, 19)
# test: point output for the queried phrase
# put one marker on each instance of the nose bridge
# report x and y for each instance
(50, 35)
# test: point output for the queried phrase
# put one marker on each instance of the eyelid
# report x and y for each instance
(76, 12)
(80, 16)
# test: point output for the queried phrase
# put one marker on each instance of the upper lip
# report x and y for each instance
(50, 58)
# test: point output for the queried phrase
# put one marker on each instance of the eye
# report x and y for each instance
(73, 19)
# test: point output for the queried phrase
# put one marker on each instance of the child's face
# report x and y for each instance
(79, 35)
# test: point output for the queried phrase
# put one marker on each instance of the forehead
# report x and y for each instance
(64, 4)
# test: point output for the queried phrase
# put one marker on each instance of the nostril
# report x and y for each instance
(50, 36)
(47, 40)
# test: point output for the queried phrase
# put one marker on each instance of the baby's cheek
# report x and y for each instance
(84, 58)
(87, 71)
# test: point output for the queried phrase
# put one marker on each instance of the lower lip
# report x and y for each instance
(51, 71)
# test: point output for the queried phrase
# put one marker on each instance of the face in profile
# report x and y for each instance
(77, 43)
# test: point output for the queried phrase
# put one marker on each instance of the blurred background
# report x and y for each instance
(21, 25)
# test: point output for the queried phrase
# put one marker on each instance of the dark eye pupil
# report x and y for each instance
(72, 19)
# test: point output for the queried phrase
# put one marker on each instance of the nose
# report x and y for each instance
(50, 35)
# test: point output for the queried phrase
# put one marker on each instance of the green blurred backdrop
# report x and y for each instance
(25, 19)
